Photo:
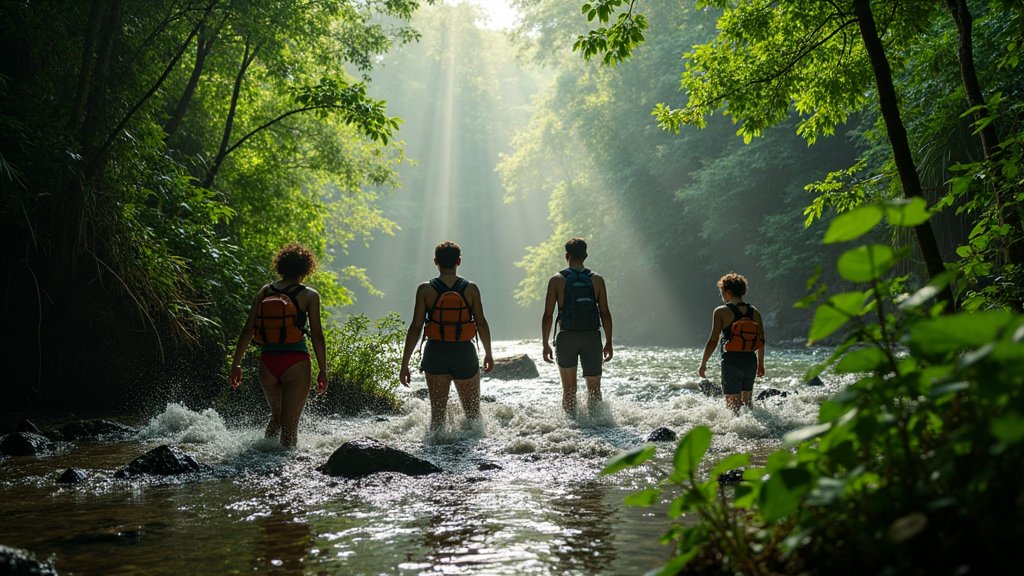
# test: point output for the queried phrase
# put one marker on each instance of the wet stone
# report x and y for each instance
(365, 456)
(421, 393)
(164, 460)
(730, 478)
(662, 435)
(24, 444)
(24, 563)
(815, 381)
(485, 466)
(710, 389)
(770, 393)
(518, 367)
(71, 476)
(89, 429)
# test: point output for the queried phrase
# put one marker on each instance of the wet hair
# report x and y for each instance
(447, 254)
(576, 248)
(734, 283)
(295, 260)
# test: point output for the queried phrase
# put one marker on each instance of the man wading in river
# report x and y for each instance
(582, 311)
(449, 312)
(743, 346)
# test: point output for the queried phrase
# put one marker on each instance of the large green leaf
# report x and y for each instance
(643, 498)
(834, 313)
(862, 360)
(957, 331)
(853, 224)
(866, 263)
(1008, 428)
(691, 449)
(628, 459)
(907, 212)
(783, 491)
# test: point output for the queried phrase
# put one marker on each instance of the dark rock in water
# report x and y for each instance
(164, 460)
(18, 562)
(815, 381)
(27, 426)
(380, 419)
(708, 388)
(488, 399)
(94, 429)
(23, 444)
(769, 393)
(71, 476)
(365, 456)
(421, 393)
(662, 435)
(518, 367)
(485, 466)
(731, 477)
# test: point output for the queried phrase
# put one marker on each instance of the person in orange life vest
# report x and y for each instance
(739, 368)
(579, 321)
(285, 367)
(449, 354)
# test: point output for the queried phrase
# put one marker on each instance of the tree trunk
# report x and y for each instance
(95, 107)
(247, 58)
(85, 72)
(902, 156)
(203, 47)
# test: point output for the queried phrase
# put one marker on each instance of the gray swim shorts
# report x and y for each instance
(738, 372)
(455, 358)
(584, 345)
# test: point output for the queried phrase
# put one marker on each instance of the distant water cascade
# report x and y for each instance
(520, 492)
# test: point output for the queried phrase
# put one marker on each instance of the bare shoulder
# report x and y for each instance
(597, 278)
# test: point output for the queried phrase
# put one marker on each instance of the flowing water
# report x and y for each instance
(520, 492)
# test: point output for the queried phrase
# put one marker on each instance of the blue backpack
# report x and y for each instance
(579, 307)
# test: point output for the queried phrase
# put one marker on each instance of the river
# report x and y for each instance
(543, 509)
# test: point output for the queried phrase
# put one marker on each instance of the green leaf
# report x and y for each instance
(806, 433)
(862, 360)
(957, 331)
(691, 449)
(910, 212)
(643, 498)
(1008, 428)
(866, 263)
(628, 459)
(834, 313)
(853, 224)
(730, 462)
(783, 491)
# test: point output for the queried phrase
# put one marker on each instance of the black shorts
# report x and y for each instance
(738, 372)
(582, 344)
(455, 358)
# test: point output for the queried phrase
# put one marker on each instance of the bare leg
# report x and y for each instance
(734, 402)
(438, 385)
(272, 391)
(469, 396)
(745, 399)
(294, 390)
(568, 390)
(593, 392)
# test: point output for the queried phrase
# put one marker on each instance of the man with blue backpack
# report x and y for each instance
(582, 311)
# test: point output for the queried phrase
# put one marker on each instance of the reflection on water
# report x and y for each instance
(520, 493)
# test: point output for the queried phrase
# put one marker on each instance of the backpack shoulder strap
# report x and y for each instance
(438, 286)
(460, 286)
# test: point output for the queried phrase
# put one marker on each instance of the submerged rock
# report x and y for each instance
(71, 476)
(87, 429)
(488, 399)
(421, 393)
(710, 389)
(518, 367)
(815, 381)
(770, 393)
(485, 466)
(662, 435)
(365, 456)
(20, 562)
(23, 444)
(164, 460)
(731, 477)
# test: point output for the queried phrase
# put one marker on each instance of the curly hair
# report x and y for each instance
(447, 254)
(733, 282)
(576, 248)
(295, 260)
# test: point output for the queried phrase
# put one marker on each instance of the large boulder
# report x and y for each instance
(72, 476)
(18, 562)
(23, 444)
(365, 456)
(164, 460)
(518, 367)
(90, 429)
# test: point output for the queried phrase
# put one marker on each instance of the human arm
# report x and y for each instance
(712, 343)
(547, 319)
(316, 335)
(419, 314)
(606, 315)
(242, 343)
(760, 350)
(482, 328)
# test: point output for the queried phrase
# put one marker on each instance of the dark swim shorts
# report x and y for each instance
(738, 372)
(582, 344)
(455, 358)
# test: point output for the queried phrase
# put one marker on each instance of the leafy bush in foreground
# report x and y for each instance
(914, 469)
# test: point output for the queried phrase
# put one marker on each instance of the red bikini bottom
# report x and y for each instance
(279, 362)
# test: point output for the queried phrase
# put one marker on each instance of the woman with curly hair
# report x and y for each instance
(277, 321)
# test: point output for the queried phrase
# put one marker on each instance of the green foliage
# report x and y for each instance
(913, 468)
(363, 359)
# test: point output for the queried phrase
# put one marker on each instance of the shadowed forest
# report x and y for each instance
(858, 161)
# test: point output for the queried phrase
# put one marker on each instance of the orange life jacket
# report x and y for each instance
(450, 319)
(279, 320)
(743, 334)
